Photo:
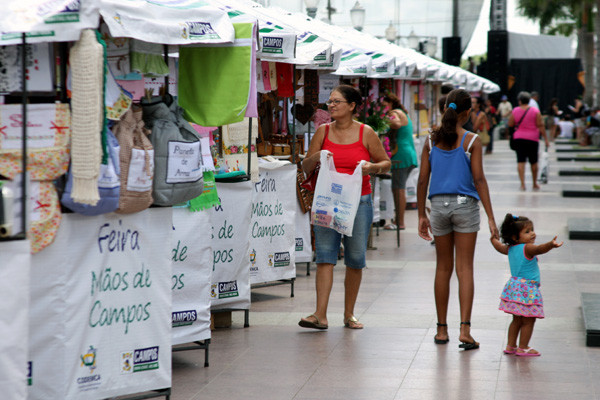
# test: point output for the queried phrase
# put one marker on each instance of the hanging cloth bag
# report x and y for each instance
(337, 196)
(109, 184)
(136, 163)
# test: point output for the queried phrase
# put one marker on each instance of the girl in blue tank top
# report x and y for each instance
(452, 161)
(521, 295)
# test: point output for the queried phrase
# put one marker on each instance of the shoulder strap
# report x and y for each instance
(522, 118)
(326, 131)
(360, 132)
(471, 142)
(462, 141)
(430, 143)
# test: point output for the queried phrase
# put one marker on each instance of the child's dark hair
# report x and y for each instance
(458, 101)
(511, 227)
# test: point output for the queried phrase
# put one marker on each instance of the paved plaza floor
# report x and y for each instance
(395, 357)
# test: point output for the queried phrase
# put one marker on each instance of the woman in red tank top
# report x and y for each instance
(349, 142)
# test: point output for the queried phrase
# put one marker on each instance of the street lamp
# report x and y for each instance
(357, 15)
(431, 47)
(390, 33)
(311, 7)
(413, 40)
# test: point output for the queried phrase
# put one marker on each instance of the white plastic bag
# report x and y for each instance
(336, 197)
(411, 185)
(543, 164)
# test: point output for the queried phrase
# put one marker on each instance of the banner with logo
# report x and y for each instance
(100, 315)
(14, 317)
(63, 26)
(303, 244)
(192, 268)
(230, 283)
(272, 231)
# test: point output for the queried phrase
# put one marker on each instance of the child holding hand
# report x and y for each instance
(521, 296)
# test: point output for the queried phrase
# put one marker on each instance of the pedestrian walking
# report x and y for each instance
(404, 155)
(529, 125)
(521, 295)
(349, 142)
(452, 160)
(504, 111)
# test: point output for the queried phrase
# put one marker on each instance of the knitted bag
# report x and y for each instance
(136, 162)
(87, 103)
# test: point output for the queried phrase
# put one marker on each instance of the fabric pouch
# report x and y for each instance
(177, 152)
(136, 161)
(109, 184)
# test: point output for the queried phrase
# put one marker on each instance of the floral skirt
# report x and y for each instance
(522, 297)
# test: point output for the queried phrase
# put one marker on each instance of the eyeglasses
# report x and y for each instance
(335, 102)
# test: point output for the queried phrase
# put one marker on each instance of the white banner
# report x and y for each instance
(14, 318)
(100, 319)
(303, 243)
(167, 21)
(192, 268)
(230, 283)
(272, 233)
(65, 26)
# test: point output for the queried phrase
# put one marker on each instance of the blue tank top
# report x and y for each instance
(521, 266)
(451, 172)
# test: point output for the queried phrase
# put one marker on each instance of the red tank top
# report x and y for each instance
(347, 156)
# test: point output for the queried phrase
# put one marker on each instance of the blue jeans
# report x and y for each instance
(327, 241)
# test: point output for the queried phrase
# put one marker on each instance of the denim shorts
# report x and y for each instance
(454, 213)
(327, 241)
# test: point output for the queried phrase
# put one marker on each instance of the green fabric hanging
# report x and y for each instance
(214, 82)
(209, 198)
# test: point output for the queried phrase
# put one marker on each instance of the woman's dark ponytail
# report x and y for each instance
(457, 102)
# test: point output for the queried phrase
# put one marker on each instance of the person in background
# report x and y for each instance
(527, 136)
(479, 118)
(565, 127)
(452, 159)
(579, 117)
(348, 142)
(553, 117)
(404, 156)
(533, 100)
(521, 295)
(504, 111)
(490, 113)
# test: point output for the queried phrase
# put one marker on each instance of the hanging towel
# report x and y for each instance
(252, 109)
(273, 75)
(148, 58)
(260, 85)
(87, 116)
(285, 80)
(266, 76)
(214, 82)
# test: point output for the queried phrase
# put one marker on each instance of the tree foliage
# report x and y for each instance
(560, 17)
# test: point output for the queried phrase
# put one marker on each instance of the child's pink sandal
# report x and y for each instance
(527, 352)
(510, 350)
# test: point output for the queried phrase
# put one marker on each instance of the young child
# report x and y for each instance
(521, 296)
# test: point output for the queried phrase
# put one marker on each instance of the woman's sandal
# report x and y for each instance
(305, 323)
(440, 341)
(468, 345)
(510, 350)
(527, 352)
(352, 323)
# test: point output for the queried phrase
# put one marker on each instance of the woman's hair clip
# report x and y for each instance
(452, 105)
(515, 217)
